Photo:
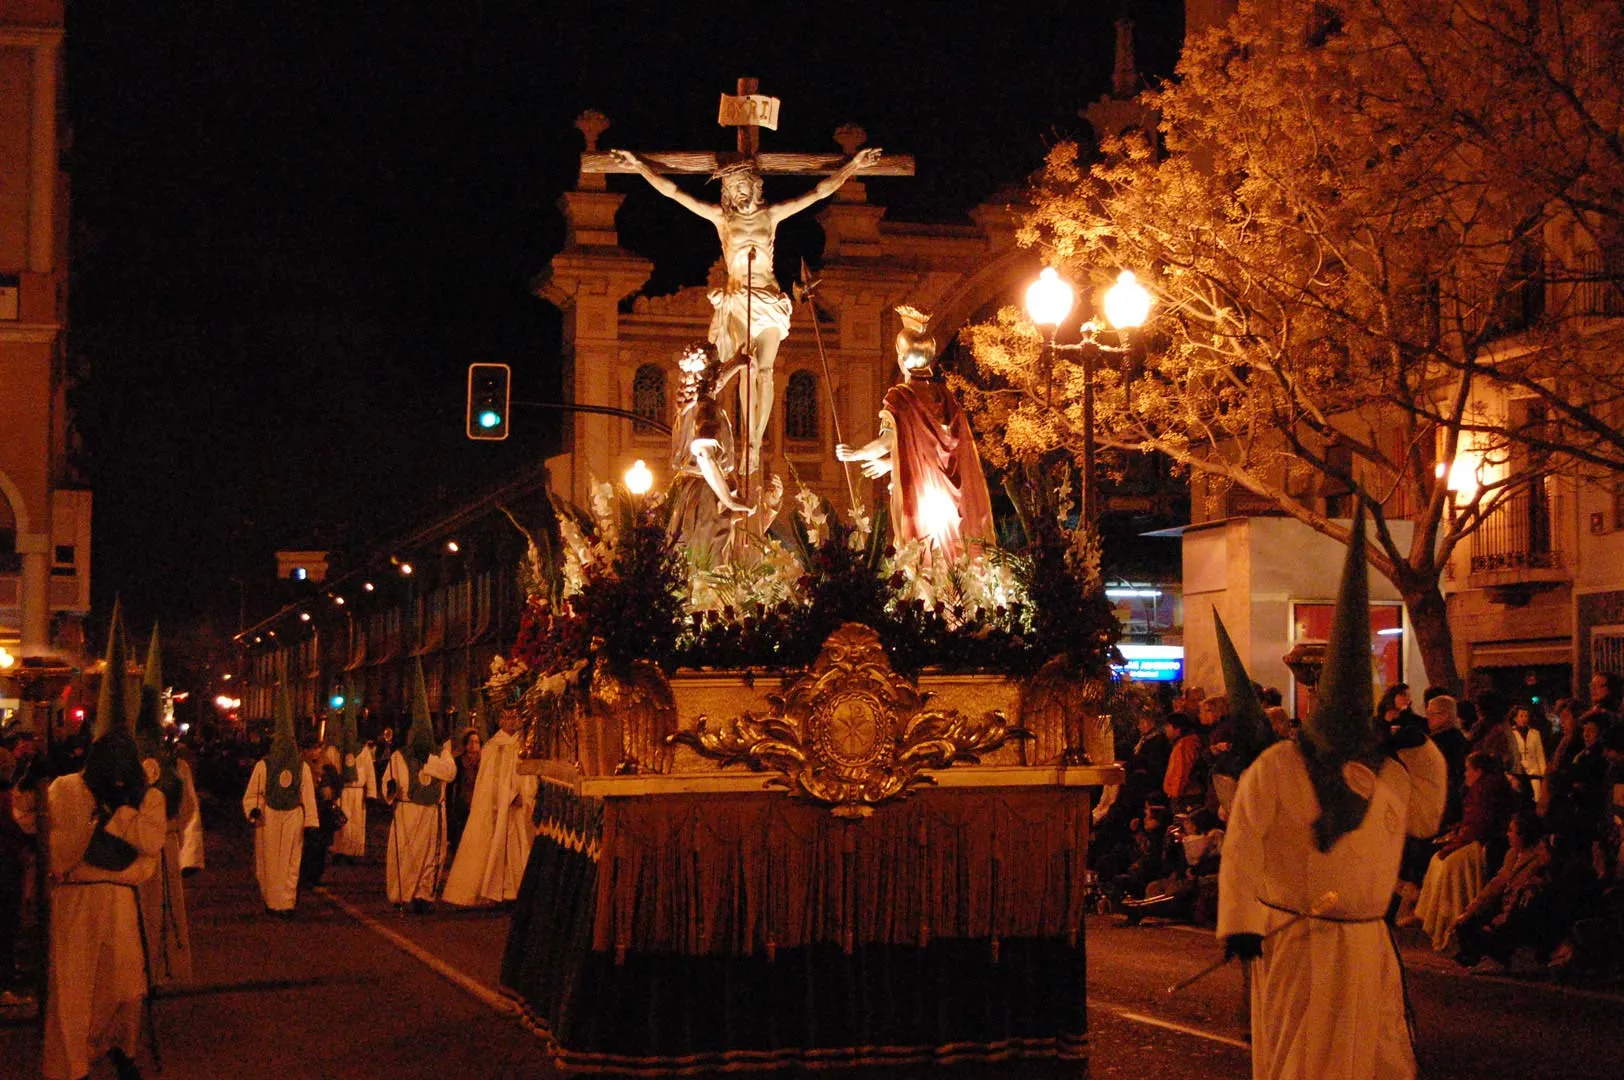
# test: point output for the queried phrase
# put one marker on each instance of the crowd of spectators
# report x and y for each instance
(1528, 856)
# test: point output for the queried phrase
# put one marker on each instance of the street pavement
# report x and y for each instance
(348, 988)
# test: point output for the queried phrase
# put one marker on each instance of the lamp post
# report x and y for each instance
(1049, 300)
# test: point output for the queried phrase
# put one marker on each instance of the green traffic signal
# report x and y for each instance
(488, 399)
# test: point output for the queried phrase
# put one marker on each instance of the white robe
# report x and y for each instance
(351, 840)
(496, 841)
(279, 838)
(191, 836)
(417, 836)
(98, 972)
(1327, 996)
(163, 897)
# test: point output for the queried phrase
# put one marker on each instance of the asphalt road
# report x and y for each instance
(350, 989)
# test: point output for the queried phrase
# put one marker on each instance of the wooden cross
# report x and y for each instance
(748, 112)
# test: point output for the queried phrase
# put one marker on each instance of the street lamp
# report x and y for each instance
(1048, 301)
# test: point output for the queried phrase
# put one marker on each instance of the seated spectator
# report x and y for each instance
(1456, 872)
(1508, 911)
(1200, 840)
(1149, 861)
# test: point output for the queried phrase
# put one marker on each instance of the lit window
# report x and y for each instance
(801, 407)
(300, 573)
(648, 397)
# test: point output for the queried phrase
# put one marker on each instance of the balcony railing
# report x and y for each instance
(1517, 536)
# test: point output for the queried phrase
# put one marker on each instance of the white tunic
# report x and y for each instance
(417, 836)
(279, 838)
(191, 836)
(496, 841)
(351, 840)
(163, 897)
(1327, 996)
(97, 968)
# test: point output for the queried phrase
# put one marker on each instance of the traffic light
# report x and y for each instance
(488, 394)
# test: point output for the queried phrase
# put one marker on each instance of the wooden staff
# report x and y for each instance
(808, 287)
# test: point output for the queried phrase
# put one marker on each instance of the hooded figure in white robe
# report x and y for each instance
(281, 804)
(496, 841)
(1310, 862)
(105, 836)
(191, 832)
(163, 896)
(415, 785)
(360, 782)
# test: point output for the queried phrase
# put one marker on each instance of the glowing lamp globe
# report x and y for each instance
(489, 418)
(638, 478)
(1127, 303)
(1049, 299)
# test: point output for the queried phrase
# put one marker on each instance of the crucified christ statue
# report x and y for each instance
(752, 312)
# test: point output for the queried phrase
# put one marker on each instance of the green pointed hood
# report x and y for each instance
(112, 769)
(149, 726)
(420, 746)
(282, 763)
(112, 703)
(1253, 732)
(1341, 733)
(149, 722)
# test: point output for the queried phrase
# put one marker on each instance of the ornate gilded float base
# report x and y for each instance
(851, 732)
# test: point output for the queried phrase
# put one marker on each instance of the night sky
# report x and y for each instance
(296, 224)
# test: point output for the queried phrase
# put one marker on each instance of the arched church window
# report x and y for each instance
(801, 407)
(648, 397)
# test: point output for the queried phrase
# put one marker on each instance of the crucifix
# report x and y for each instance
(752, 312)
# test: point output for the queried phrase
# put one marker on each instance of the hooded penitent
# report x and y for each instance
(1252, 729)
(419, 747)
(149, 730)
(283, 766)
(1340, 744)
(112, 769)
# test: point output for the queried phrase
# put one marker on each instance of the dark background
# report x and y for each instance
(296, 224)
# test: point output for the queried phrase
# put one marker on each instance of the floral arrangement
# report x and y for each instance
(609, 587)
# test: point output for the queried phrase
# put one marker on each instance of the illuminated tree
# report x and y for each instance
(1383, 237)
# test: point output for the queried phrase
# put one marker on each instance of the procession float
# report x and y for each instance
(815, 785)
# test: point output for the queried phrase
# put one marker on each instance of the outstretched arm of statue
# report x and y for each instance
(875, 455)
(863, 159)
(666, 187)
(704, 451)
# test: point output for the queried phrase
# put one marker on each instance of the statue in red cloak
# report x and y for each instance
(938, 494)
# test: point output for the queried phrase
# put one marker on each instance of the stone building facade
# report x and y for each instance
(45, 508)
